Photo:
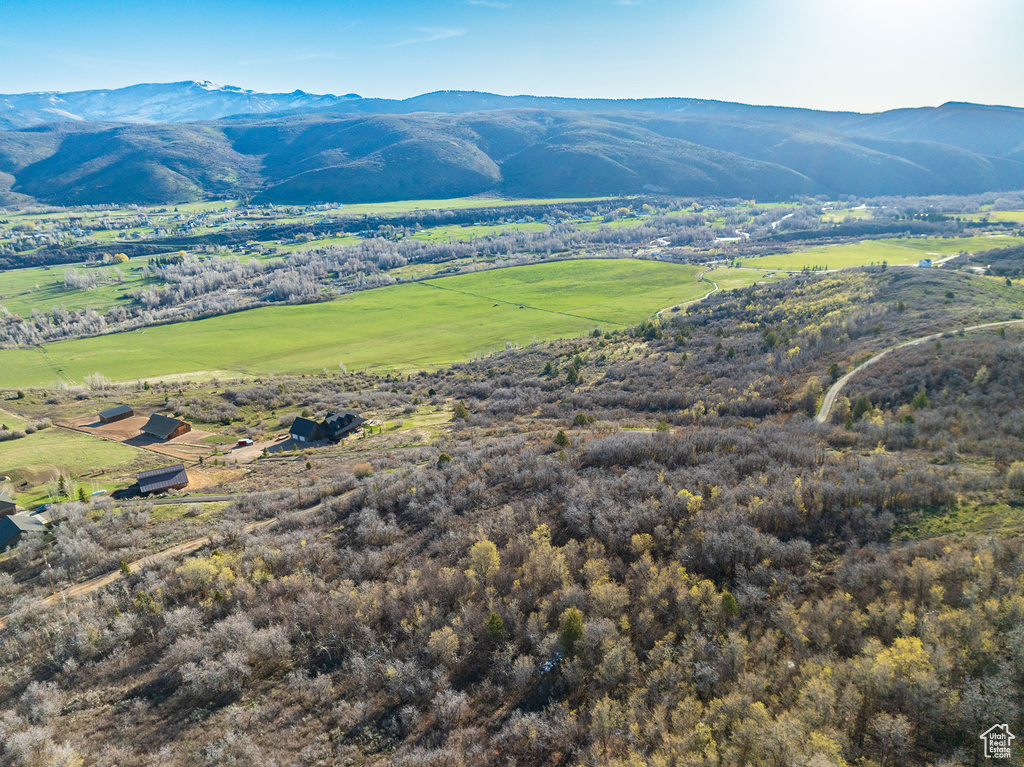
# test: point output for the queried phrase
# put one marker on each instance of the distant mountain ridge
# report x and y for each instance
(154, 103)
(187, 141)
(191, 101)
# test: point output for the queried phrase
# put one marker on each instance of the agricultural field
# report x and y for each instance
(399, 328)
(458, 232)
(839, 215)
(36, 458)
(604, 292)
(1015, 216)
(619, 223)
(459, 203)
(894, 251)
(322, 242)
(25, 290)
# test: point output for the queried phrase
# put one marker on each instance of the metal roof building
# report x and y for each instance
(163, 427)
(12, 527)
(118, 413)
(7, 505)
(157, 480)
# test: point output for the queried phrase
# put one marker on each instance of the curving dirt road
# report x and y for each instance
(830, 396)
(694, 301)
(187, 547)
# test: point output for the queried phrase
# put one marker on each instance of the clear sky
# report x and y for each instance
(863, 55)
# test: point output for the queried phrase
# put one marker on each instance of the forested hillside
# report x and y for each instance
(630, 548)
(751, 153)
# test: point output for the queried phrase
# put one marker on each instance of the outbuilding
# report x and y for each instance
(118, 413)
(305, 430)
(14, 526)
(7, 505)
(159, 480)
(164, 427)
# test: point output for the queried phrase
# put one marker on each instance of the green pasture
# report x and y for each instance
(458, 232)
(23, 290)
(416, 270)
(840, 215)
(893, 251)
(606, 292)
(11, 421)
(398, 328)
(732, 278)
(297, 246)
(459, 203)
(965, 519)
(628, 223)
(1016, 216)
(35, 459)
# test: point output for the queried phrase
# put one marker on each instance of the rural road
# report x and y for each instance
(187, 547)
(833, 392)
(196, 499)
(699, 278)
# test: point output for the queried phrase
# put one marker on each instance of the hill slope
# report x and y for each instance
(345, 158)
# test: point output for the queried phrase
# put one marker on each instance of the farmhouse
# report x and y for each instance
(337, 426)
(6, 505)
(165, 428)
(118, 413)
(305, 430)
(159, 480)
(12, 527)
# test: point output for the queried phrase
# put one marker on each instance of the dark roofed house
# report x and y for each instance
(7, 505)
(165, 428)
(12, 527)
(305, 430)
(118, 413)
(337, 426)
(158, 480)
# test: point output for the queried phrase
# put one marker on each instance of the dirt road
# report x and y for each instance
(694, 301)
(87, 587)
(833, 392)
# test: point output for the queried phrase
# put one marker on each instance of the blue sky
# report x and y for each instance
(864, 55)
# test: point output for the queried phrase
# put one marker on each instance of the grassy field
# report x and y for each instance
(894, 251)
(35, 458)
(460, 203)
(1016, 216)
(628, 223)
(608, 293)
(457, 232)
(23, 290)
(968, 519)
(399, 328)
(840, 215)
(345, 240)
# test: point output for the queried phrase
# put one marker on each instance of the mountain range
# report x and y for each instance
(175, 142)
